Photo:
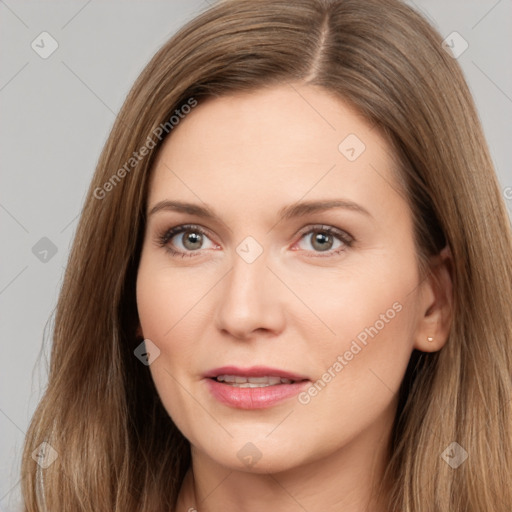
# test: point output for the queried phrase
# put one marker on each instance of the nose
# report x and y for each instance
(250, 300)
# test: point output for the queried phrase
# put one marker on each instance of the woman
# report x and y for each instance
(291, 281)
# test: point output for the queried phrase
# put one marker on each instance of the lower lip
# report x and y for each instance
(254, 398)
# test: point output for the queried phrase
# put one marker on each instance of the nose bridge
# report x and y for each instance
(249, 266)
(249, 301)
(246, 283)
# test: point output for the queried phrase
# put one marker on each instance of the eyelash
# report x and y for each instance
(164, 238)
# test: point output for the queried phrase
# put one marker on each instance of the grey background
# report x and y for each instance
(56, 114)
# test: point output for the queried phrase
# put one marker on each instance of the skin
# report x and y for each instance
(296, 307)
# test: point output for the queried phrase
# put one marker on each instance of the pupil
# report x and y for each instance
(192, 240)
(322, 241)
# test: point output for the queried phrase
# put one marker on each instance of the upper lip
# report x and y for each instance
(254, 371)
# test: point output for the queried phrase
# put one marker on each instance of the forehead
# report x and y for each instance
(272, 147)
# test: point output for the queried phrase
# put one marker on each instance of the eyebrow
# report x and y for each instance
(288, 212)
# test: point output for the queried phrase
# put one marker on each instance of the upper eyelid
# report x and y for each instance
(180, 229)
(333, 230)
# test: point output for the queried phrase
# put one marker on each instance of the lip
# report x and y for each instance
(254, 371)
(254, 398)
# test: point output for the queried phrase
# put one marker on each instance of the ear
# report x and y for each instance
(436, 304)
(138, 332)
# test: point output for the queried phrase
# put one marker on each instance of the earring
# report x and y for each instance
(429, 339)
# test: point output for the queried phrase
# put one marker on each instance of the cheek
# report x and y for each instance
(167, 298)
(165, 303)
(372, 316)
(163, 300)
(356, 301)
(364, 312)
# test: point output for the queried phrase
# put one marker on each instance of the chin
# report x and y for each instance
(258, 457)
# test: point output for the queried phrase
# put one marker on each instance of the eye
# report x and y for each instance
(188, 240)
(325, 239)
(185, 240)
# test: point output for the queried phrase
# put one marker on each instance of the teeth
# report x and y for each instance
(252, 382)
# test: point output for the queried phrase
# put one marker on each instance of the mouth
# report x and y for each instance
(252, 382)
(253, 388)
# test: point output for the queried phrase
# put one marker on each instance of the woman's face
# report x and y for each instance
(279, 280)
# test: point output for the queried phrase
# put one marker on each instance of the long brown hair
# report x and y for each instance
(117, 447)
